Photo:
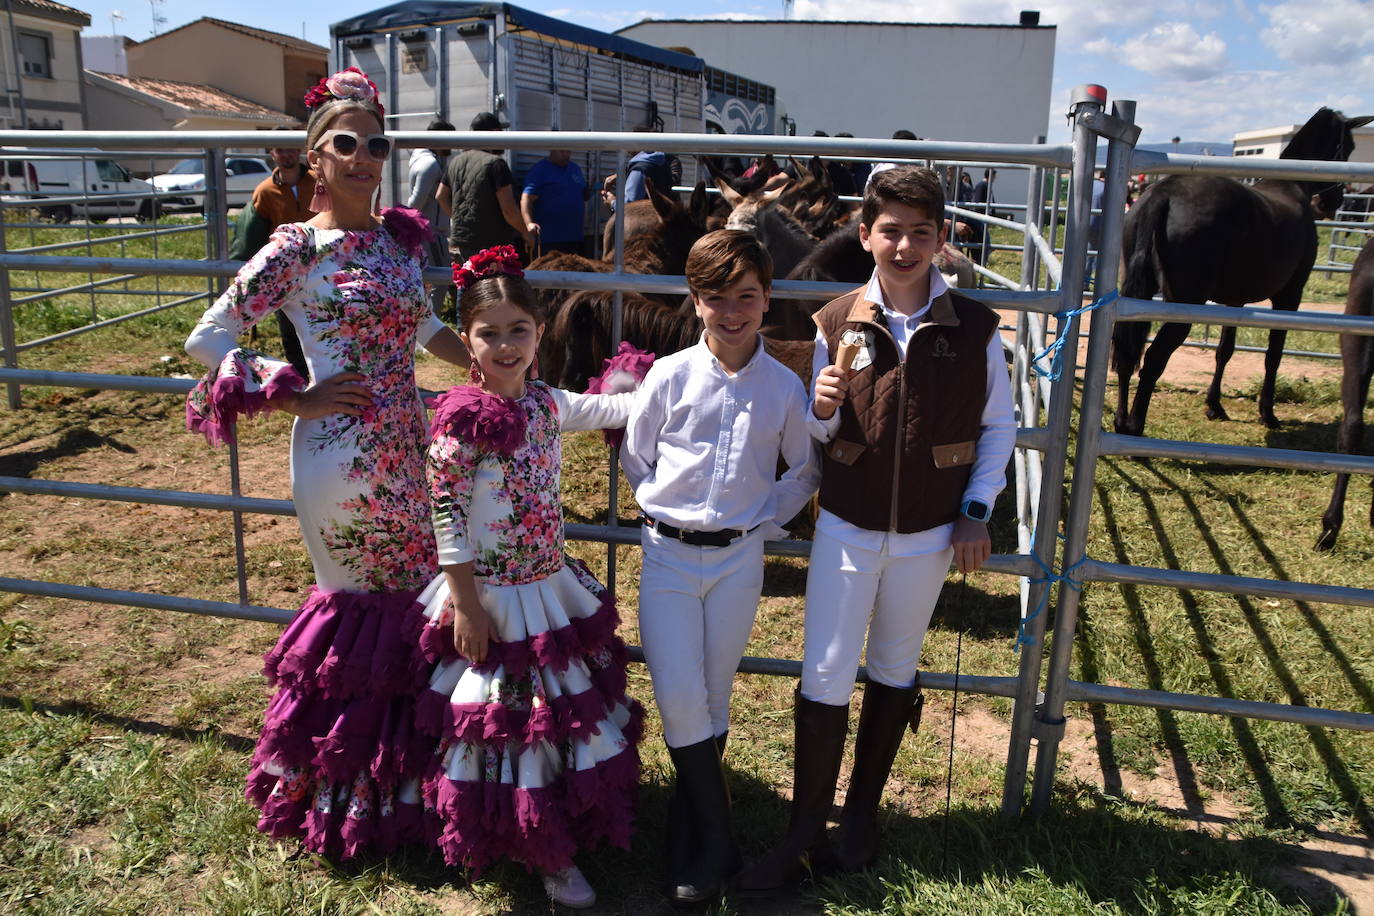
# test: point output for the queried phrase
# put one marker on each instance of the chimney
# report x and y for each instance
(1030, 18)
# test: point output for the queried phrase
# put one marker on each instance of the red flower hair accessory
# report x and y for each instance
(346, 84)
(499, 260)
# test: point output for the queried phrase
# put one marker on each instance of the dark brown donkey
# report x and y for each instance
(1203, 237)
(1357, 360)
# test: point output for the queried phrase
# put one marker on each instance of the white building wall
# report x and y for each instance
(942, 82)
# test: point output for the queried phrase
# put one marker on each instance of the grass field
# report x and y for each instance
(125, 733)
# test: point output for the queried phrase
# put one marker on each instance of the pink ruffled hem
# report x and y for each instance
(542, 827)
(229, 400)
(347, 644)
(336, 834)
(563, 718)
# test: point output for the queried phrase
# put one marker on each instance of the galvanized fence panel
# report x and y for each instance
(1042, 449)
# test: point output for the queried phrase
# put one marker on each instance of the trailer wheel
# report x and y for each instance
(149, 211)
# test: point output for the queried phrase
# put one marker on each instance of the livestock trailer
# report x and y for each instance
(534, 71)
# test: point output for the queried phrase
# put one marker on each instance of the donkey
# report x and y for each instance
(760, 215)
(1357, 363)
(1201, 237)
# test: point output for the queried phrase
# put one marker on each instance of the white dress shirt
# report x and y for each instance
(702, 445)
(996, 438)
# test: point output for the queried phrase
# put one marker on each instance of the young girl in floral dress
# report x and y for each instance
(537, 738)
(339, 759)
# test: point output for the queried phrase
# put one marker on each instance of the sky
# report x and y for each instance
(1201, 70)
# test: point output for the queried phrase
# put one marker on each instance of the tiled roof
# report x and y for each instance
(276, 38)
(56, 10)
(198, 99)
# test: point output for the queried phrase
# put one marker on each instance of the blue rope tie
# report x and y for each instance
(1056, 350)
(1048, 579)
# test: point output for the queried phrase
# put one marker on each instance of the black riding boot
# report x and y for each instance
(701, 782)
(820, 731)
(887, 712)
(681, 841)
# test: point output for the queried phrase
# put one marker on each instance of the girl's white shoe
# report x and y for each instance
(569, 888)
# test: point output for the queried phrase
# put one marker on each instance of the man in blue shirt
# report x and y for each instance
(554, 203)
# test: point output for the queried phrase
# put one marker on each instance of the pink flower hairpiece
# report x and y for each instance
(346, 84)
(496, 261)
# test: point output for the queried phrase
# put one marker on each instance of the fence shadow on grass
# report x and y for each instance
(73, 441)
(229, 740)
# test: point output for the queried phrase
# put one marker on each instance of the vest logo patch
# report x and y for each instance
(942, 349)
(862, 339)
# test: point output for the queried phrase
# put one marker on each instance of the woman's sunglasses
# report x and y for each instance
(345, 143)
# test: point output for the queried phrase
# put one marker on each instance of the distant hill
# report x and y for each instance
(1188, 147)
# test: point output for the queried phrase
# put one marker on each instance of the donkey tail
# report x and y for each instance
(1140, 276)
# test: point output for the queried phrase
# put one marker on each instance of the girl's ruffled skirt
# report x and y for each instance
(537, 744)
(340, 759)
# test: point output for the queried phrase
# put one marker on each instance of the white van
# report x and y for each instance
(90, 174)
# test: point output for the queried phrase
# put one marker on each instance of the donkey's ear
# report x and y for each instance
(727, 193)
(699, 206)
(1361, 121)
(821, 172)
(664, 206)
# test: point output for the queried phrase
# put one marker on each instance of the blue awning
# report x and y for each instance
(418, 13)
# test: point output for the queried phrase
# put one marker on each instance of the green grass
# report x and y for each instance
(125, 733)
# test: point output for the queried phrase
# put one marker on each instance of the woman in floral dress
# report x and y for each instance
(537, 753)
(339, 759)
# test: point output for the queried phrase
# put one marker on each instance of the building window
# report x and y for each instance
(35, 50)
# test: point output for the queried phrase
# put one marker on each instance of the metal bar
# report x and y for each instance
(155, 602)
(617, 328)
(887, 150)
(81, 288)
(1252, 167)
(1221, 706)
(1249, 455)
(1245, 317)
(1216, 582)
(7, 335)
(182, 498)
(1051, 714)
(60, 246)
(51, 338)
(1056, 459)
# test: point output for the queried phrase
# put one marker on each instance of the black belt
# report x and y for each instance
(722, 538)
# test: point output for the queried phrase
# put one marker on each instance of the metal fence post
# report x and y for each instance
(216, 210)
(617, 326)
(7, 335)
(1086, 99)
(1122, 133)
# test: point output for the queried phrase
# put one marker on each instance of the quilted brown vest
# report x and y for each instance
(902, 455)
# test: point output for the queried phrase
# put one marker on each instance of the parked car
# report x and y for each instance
(106, 187)
(242, 175)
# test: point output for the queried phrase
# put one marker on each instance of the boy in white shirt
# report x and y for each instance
(701, 451)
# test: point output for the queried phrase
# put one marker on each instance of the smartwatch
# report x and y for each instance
(976, 510)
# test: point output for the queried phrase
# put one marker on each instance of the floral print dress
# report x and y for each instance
(537, 743)
(339, 757)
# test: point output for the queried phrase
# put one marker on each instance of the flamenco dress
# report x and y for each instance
(538, 742)
(339, 760)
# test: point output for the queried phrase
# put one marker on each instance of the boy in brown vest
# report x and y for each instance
(917, 425)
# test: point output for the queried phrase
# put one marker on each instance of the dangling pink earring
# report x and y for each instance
(320, 200)
(474, 373)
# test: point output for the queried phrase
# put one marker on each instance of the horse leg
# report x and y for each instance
(1355, 352)
(1287, 301)
(1226, 346)
(1167, 339)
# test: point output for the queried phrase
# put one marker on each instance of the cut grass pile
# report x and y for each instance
(125, 733)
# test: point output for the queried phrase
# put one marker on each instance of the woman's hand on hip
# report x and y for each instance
(337, 394)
